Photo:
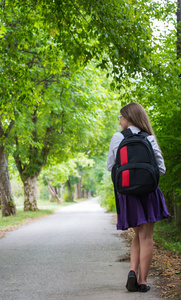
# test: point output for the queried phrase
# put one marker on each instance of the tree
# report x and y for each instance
(32, 68)
(70, 111)
(16, 90)
(24, 50)
(6, 198)
(59, 174)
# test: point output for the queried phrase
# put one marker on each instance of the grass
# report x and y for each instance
(45, 208)
(168, 235)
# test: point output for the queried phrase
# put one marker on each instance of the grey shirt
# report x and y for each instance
(116, 140)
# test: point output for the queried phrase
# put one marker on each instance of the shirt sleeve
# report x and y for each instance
(158, 154)
(115, 141)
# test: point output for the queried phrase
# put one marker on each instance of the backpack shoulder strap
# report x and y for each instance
(113, 176)
(144, 133)
(127, 132)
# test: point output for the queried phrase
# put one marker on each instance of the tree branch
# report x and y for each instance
(47, 80)
(70, 30)
(1, 115)
(9, 128)
(17, 158)
(77, 9)
(28, 51)
(1, 130)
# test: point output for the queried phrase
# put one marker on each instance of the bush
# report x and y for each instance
(106, 192)
(168, 235)
(44, 194)
(66, 197)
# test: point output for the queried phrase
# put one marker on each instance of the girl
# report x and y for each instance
(139, 212)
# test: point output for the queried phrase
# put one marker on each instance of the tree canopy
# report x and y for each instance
(58, 61)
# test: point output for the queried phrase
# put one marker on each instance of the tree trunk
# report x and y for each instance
(6, 198)
(79, 193)
(54, 193)
(177, 211)
(85, 193)
(178, 216)
(30, 194)
(69, 190)
(62, 191)
(76, 191)
(79, 190)
(79, 186)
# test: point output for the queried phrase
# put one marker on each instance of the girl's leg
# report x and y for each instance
(146, 250)
(132, 284)
(135, 252)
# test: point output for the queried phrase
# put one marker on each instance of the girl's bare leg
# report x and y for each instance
(146, 250)
(135, 252)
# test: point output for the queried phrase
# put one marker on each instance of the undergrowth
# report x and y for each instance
(168, 235)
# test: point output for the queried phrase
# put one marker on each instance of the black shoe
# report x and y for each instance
(143, 288)
(132, 285)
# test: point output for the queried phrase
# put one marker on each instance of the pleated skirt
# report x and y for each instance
(137, 210)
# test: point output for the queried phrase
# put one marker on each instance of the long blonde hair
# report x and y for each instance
(137, 116)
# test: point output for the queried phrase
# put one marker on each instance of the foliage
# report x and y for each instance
(55, 103)
(73, 113)
(59, 173)
(168, 236)
(171, 146)
(158, 89)
(24, 49)
(51, 101)
(117, 33)
(66, 196)
(71, 170)
(106, 193)
(44, 195)
(17, 188)
(163, 94)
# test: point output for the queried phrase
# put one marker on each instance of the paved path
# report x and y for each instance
(71, 255)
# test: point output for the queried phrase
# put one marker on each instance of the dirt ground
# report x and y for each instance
(166, 267)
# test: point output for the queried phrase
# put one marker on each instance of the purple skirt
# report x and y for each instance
(137, 210)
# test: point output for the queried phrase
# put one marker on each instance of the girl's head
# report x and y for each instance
(134, 114)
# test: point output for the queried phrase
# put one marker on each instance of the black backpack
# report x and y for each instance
(136, 171)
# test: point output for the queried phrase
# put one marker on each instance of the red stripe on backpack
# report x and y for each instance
(125, 178)
(124, 155)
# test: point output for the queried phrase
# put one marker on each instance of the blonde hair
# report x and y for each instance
(137, 116)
